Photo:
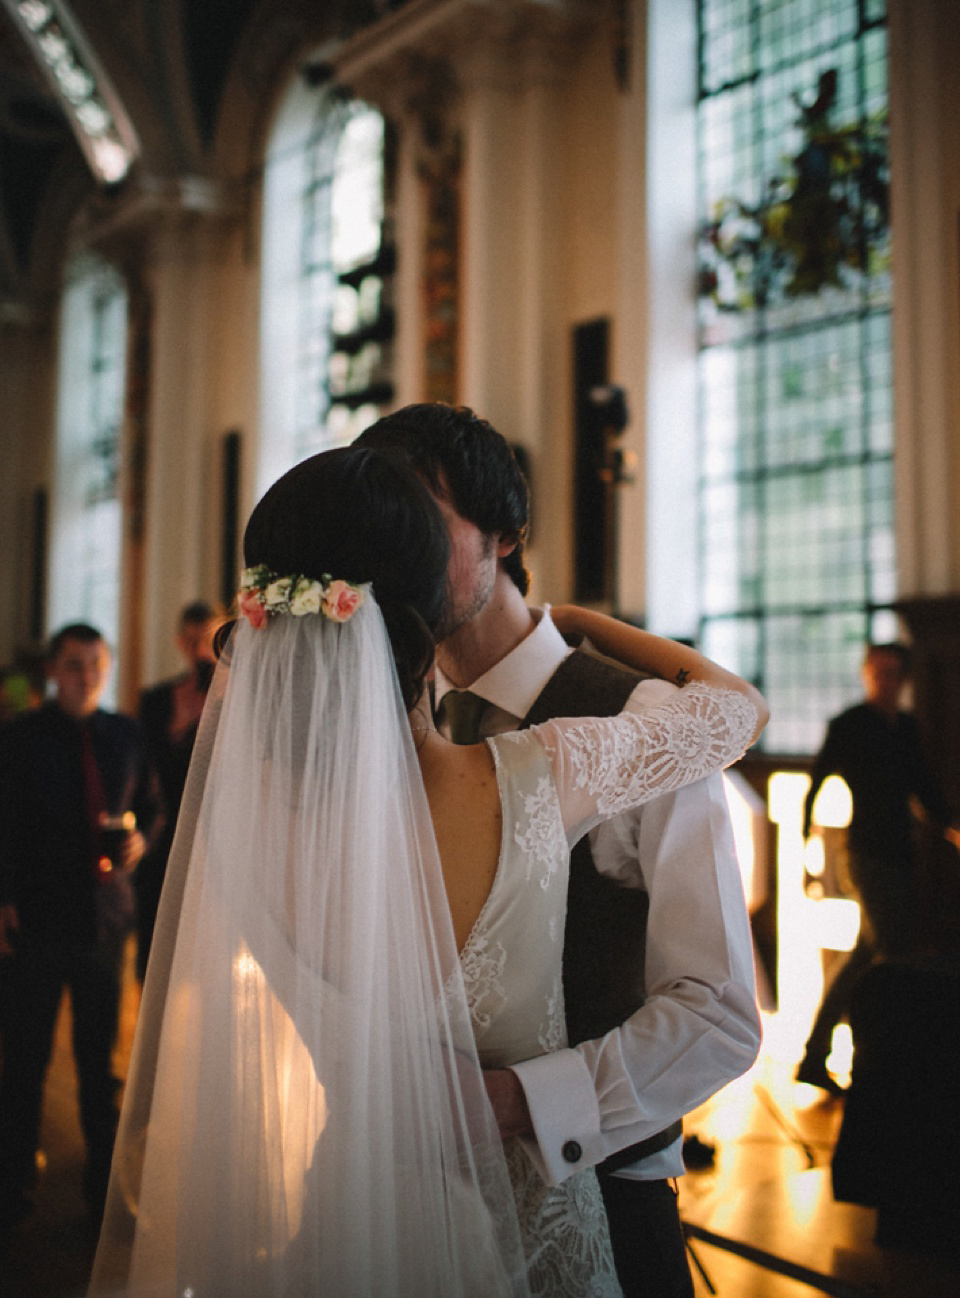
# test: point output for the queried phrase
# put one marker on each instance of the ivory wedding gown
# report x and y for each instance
(556, 781)
(305, 1113)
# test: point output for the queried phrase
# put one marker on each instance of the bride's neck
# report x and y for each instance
(421, 720)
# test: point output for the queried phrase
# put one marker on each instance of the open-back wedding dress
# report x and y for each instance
(305, 1113)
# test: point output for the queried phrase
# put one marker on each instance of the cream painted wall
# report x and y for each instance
(491, 234)
(206, 285)
(182, 415)
(586, 204)
(669, 511)
(236, 378)
(631, 338)
(540, 240)
(590, 134)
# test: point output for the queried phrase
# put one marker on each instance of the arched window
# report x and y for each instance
(328, 259)
(795, 494)
(87, 515)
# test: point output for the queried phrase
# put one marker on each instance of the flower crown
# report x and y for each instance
(262, 594)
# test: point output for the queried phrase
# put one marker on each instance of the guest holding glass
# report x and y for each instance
(79, 806)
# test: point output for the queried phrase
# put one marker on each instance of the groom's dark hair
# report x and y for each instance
(362, 516)
(462, 458)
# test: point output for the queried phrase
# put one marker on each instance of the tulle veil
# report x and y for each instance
(305, 1112)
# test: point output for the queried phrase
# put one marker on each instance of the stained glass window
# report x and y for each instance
(795, 374)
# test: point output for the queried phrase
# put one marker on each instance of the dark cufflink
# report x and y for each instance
(572, 1151)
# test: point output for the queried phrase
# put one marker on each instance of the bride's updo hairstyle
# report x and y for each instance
(361, 517)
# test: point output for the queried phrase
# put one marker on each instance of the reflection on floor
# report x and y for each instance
(768, 1185)
(768, 1188)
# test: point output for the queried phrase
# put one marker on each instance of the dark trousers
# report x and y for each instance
(886, 891)
(899, 1143)
(648, 1245)
(31, 987)
(836, 999)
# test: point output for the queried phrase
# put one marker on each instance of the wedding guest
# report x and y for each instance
(66, 903)
(169, 716)
(875, 746)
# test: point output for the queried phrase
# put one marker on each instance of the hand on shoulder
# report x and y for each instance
(671, 660)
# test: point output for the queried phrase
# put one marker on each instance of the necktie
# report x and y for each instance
(463, 710)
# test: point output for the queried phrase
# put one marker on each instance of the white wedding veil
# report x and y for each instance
(305, 1112)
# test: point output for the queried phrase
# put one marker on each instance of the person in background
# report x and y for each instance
(169, 715)
(875, 747)
(658, 975)
(66, 902)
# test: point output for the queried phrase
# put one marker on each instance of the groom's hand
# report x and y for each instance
(508, 1101)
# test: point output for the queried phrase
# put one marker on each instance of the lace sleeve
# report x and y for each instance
(606, 765)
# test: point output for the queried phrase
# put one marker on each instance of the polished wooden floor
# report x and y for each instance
(767, 1187)
(769, 1190)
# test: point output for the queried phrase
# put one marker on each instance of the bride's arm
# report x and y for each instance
(645, 652)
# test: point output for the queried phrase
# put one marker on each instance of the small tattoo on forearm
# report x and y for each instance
(682, 677)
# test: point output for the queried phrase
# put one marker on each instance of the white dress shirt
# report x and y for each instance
(699, 1027)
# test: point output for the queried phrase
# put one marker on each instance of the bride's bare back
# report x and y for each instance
(464, 800)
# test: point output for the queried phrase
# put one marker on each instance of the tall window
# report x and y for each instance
(796, 426)
(327, 276)
(87, 514)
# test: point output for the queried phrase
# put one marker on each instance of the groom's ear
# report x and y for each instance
(506, 544)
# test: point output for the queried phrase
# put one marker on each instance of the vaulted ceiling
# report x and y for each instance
(168, 62)
(35, 137)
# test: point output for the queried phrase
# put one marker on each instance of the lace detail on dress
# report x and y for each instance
(565, 1233)
(482, 964)
(626, 760)
(542, 841)
(552, 1034)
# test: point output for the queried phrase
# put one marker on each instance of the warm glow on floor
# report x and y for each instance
(840, 1058)
(805, 927)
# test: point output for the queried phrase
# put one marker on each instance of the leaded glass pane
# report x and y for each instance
(809, 663)
(795, 381)
(725, 43)
(734, 639)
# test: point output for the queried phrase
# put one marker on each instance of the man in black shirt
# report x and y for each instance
(66, 902)
(876, 749)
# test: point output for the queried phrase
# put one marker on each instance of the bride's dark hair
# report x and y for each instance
(362, 517)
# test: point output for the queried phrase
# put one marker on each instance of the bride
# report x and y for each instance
(305, 1112)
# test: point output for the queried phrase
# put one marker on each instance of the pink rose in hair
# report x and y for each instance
(252, 609)
(341, 601)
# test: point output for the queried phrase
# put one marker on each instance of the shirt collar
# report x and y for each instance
(516, 681)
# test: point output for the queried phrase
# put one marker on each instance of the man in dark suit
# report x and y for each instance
(169, 716)
(658, 970)
(875, 747)
(79, 804)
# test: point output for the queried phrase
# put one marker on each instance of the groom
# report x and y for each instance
(658, 967)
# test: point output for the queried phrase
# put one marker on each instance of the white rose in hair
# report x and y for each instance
(307, 597)
(277, 593)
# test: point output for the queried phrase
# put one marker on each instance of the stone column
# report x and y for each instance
(925, 199)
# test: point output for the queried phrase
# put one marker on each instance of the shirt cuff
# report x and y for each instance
(565, 1115)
